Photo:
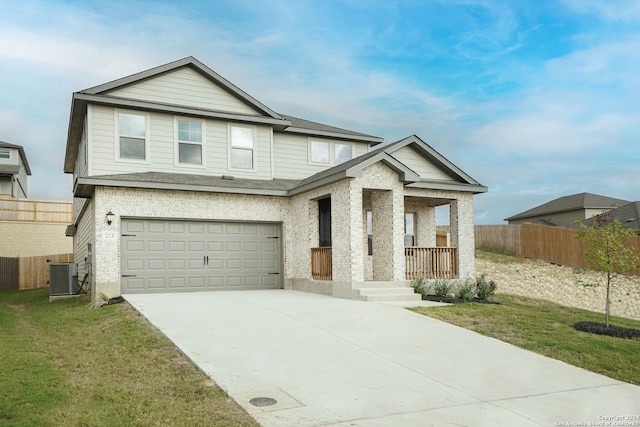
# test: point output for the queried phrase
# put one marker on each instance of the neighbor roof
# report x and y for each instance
(570, 203)
(23, 155)
(628, 215)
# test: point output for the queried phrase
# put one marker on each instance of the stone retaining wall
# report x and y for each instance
(564, 285)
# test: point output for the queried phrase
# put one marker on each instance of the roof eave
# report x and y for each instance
(85, 186)
(450, 186)
(334, 135)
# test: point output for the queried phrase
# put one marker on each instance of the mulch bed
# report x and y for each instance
(612, 331)
(436, 298)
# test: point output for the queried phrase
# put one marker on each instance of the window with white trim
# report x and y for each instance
(189, 140)
(5, 153)
(132, 136)
(409, 228)
(329, 153)
(242, 148)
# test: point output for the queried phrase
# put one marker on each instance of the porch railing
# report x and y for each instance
(321, 263)
(433, 263)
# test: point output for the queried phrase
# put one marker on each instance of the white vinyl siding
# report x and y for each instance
(84, 234)
(291, 155)
(185, 87)
(162, 148)
(420, 165)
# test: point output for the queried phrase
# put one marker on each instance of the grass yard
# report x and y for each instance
(546, 328)
(64, 363)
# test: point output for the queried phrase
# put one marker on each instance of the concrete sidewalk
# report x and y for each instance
(330, 361)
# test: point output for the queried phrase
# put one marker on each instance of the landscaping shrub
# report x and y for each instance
(484, 288)
(442, 288)
(420, 285)
(467, 290)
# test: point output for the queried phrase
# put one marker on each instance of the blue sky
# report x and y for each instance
(535, 100)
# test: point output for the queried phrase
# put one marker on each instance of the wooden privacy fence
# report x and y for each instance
(552, 244)
(499, 238)
(28, 272)
(32, 210)
(434, 263)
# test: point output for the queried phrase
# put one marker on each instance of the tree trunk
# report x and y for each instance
(606, 309)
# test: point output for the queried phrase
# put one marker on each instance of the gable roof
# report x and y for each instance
(355, 166)
(101, 95)
(570, 203)
(23, 155)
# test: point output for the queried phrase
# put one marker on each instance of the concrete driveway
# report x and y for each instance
(329, 361)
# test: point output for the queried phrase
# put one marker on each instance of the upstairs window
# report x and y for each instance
(319, 152)
(242, 150)
(189, 141)
(342, 153)
(329, 153)
(132, 136)
(5, 153)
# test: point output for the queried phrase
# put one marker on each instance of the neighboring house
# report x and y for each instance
(565, 211)
(183, 182)
(628, 215)
(14, 169)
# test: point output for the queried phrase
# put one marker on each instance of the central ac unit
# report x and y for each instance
(63, 278)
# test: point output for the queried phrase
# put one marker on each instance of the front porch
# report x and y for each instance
(432, 263)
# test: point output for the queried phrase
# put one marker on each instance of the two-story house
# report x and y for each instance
(14, 169)
(183, 182)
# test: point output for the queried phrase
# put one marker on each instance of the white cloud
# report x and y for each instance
(617, 10)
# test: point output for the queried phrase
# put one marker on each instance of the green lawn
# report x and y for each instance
(546, 328)
(64, 363)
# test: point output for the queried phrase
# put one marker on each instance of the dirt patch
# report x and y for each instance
(17, 307)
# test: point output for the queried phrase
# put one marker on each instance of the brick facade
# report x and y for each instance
(379, 190)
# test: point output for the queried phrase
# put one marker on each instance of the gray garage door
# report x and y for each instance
(175, 256)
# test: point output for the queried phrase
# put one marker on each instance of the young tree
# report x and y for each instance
(609, 250)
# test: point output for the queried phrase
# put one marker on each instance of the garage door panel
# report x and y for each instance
(157, 283)
(177, 282)
(177, 227)
(156, 227)
(174, 256)
(176, 245)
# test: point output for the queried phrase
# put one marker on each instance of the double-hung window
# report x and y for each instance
(242, 148)
(190, 136)
(132, 136)
(342, 153)
(5, 153)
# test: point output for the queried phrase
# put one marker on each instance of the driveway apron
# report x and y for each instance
(299, 359)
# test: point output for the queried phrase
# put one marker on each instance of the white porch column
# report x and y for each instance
(462, 233)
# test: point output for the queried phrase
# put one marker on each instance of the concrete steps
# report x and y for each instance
(381, 292)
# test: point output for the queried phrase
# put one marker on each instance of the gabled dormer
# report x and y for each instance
(14, 169)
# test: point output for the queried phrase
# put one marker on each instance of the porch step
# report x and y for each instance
(386, 294)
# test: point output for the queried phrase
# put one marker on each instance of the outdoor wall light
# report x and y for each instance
(109, 217)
